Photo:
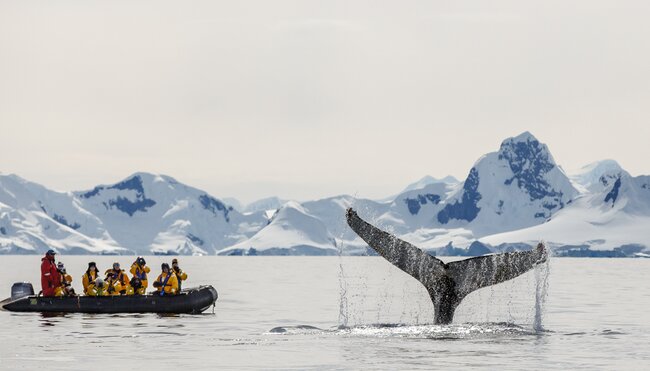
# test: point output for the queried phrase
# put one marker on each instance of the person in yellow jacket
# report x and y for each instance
(88, 279)
(99, 288)
(166, 283)
(65, 287)
(135, 287)
(139, 270)
(180, 275)
(117, 281)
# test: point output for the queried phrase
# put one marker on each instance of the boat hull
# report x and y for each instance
(192, 300)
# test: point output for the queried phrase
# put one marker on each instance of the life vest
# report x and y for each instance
(88, 281)
(140, 273)
(120, 277)
(164, 283)
(66, 279)
(91, 279)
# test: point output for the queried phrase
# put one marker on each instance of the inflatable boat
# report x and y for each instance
(191, 300)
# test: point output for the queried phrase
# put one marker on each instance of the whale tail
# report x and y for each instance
(447, 284)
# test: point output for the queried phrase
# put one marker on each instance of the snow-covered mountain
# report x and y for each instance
(428, 179)
(611, 216)
(142, 214)
(422, 183)
(511, 199)
(292, 231)
(517, 196)
(595, 176)
(516, 187)
(34, 219)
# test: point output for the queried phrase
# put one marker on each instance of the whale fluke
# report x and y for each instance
(447, 284)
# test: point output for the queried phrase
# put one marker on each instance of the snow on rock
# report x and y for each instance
(595, 176)
(420, 184)
(612, 214)
(582, 227)
(519, 186)
(417, 208)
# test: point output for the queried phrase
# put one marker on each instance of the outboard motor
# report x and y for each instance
(21, 289)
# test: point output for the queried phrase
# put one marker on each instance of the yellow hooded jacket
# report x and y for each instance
(141, 273)
(60, 290)
(180, 276)
(171, 286)
(118, 284)
(88, 281)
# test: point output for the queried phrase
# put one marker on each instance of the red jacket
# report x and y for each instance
(50, 277)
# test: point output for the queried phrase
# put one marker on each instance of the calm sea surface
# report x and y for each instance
(345, 313)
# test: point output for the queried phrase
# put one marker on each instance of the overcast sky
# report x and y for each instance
(306, 99)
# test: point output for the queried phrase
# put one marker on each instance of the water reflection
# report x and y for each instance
(168, 315)
(51, 318)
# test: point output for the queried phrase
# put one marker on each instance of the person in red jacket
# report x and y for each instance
(50, 277)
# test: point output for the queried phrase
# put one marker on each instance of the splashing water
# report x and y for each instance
(492, 331)
(541, 292)
(343, 290)
(353, 292)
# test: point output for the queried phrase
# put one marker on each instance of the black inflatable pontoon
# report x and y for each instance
(191, 300)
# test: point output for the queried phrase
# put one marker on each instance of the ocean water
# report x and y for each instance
(346, 313)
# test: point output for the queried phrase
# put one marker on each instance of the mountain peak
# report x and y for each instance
(598, 174)
(150, 178)
(264, 204)
(601, 167)
(15, 178)
(525, 153)
(520, 182)
(529, 161)
(526, 136)
(427, 180)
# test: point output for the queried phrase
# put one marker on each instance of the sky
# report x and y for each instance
(309, 99)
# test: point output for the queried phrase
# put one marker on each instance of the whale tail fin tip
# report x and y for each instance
(405, 256)
(475, 273)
